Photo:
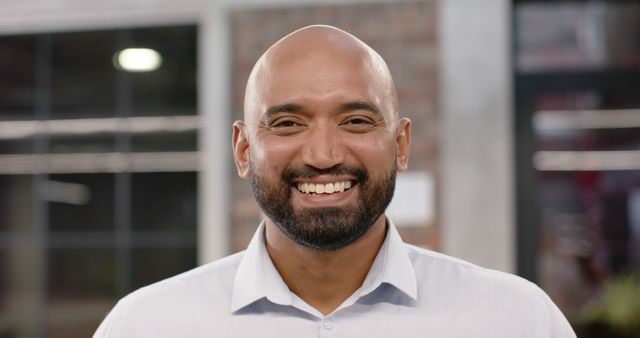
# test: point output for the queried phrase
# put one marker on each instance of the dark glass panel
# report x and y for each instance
(90, 143)
(577, 35)
(16, 203)
(171, 89)
(81, 290)
(83, 74)
(589, 99)
(80, 202)
(150, 265)
(593, 139)
(174, 141)
(19, 291)
(164, 201)
(76, 329)
(607, 102)
(17, 77)
(4, 281)
(590, 219)
(16, 146)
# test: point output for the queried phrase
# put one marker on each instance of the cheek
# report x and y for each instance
(372, 151)
(273, 155)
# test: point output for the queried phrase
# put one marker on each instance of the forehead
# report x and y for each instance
(306, 78)
(322, 66)
(317, 75)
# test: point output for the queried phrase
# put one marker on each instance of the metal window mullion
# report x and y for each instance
(122, 193)
(42, 111)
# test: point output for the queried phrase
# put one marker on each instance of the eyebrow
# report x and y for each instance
(282, 108)
(294, 107)
(361, 105)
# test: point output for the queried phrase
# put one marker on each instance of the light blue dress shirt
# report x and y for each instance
(408, 292)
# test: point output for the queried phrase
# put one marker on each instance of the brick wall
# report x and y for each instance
(403, 33)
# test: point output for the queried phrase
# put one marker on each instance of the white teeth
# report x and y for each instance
(328, 188)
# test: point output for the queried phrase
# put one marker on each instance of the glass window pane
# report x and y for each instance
(89, 143)
(80, 202)
(577, 35)
(150, 265)
(16, 203)
(17, 71)
(175, 141)
(171, 89)
(76, 283)
(164, 201)
(19, 291)
(588, 192)
(16, 146)
(81, 290)
(587, 120)
(83, 74)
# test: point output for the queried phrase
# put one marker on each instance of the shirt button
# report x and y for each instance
(328, 324)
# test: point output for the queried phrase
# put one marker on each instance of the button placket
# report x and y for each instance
(327, 328)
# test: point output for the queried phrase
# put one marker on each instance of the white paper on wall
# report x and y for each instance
(413, 203)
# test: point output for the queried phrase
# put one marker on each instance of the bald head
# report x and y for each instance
(318, 59)
(321, 112)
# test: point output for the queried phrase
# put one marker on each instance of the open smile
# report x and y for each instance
(324, 191)
(324, 188)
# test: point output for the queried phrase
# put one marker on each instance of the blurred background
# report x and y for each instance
(116, 169)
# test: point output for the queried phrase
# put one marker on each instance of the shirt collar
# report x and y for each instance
(257, 277)
(392, 265)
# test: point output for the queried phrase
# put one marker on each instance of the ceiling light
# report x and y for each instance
(137, 60)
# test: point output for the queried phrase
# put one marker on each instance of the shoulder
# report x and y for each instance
(485, 295)
(431, 263)
(472, 285)
(175, 299)
(218, 274)
(473, 282)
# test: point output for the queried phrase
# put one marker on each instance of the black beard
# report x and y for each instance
(324, 229)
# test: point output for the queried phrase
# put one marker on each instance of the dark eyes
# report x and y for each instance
(357, 121)
(356, 124)
(285, 124)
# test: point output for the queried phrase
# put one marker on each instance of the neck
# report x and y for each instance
(324, 279)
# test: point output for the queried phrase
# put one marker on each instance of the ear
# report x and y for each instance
(240, 143)
(403, 141)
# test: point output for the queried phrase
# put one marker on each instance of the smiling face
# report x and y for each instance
(321, 140)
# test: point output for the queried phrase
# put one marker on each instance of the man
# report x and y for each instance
(321, 143)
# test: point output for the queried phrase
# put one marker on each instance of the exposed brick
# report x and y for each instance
(403, 33)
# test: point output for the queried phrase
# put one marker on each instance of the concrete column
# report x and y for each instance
(215, 134)
(476, 132)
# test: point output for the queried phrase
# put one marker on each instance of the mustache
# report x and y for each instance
(309, 172)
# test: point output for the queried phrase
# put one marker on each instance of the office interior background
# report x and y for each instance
(116, 169)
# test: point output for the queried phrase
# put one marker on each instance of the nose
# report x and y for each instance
(323, 147)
